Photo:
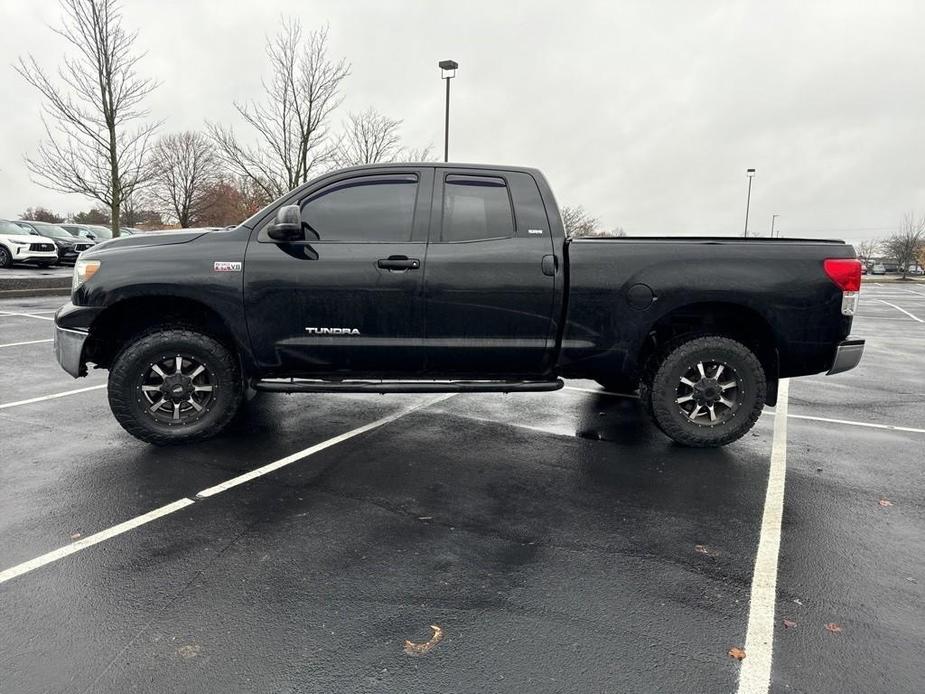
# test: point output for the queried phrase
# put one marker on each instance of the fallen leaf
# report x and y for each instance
(704, 549)
(885, 502)
(789, 624)
(737, 653)
(798, 602)
(415, 649)
(75, 536)
(190, 650)
(833, 628)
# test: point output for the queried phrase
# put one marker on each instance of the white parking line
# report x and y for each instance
(27, 342)
(901, 309)
(27, 315)
(91, 540)
(115, 530)
(772, 413)
(311, 450)
(848, 422)
(50, 397)
(755, 675)
(886, 295)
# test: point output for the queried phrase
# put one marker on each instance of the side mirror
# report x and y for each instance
(288, 225)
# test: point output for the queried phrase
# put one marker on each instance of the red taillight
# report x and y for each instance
(845, 272)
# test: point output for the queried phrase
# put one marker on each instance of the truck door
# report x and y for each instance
(347, 300)
(490, 277)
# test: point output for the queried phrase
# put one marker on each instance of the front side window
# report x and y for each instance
(373, 209)
(476, 207)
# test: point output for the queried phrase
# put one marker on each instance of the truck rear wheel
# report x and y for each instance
(175, 386)
(707, 391)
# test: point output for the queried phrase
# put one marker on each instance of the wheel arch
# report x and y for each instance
(728, 319)
(132, 317)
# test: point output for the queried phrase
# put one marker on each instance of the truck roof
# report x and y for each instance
(439, 164)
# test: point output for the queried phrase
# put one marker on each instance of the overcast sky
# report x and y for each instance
(647, 113)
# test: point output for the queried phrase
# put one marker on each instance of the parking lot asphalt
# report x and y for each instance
(558, 541)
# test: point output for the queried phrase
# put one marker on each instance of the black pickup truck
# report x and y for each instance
(450, 277)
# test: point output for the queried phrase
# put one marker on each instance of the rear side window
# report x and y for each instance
(476, 207)
(372, 209)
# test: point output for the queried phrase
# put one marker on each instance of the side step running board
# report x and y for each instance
(297, 385)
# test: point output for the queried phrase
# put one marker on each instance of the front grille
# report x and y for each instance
(81, 247)
(41, 247)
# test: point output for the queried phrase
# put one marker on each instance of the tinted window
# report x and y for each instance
(362, 210)
(476, 207)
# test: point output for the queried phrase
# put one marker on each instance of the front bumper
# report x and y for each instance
(847, 355)
(23, 254)
(69, 348)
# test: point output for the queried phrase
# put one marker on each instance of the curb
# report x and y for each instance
(34, 291)
(34, 286)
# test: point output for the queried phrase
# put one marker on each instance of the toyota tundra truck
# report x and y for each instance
(411, 278)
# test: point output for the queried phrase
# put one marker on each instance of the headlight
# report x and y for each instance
(83, 270)
(20, 243)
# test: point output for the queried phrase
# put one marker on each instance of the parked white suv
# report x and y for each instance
(18, 246)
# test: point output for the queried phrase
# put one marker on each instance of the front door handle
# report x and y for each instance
(398, 262)
(549, 264)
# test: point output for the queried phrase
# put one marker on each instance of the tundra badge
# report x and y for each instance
(332, 331)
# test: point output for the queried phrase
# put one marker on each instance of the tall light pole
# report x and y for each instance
(751, 174)
(773, 219)
(447, 72)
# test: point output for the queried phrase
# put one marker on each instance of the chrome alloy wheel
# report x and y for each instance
(709, 393)
(177, 390)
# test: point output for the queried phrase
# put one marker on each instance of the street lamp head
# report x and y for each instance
(749, 172)
(448, 68)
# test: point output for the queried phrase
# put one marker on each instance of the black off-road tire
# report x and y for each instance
(132, 363)
(660, 392)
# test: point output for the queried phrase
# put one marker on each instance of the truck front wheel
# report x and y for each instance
(175, 386)
(707, 391)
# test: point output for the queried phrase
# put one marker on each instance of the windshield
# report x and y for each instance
(100, 232)
(12, 228)
(52, 230)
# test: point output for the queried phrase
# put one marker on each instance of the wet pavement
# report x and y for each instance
(558, 540)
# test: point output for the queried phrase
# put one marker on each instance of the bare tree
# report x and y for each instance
(577, 221)
(369, 138)
(96, 215)
(905, 245)
(866, 251)
(96, 134)
(418, 154)
(291, 124)
(41, 214)
(184, 165)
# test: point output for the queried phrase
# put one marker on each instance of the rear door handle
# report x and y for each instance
(398, 262)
